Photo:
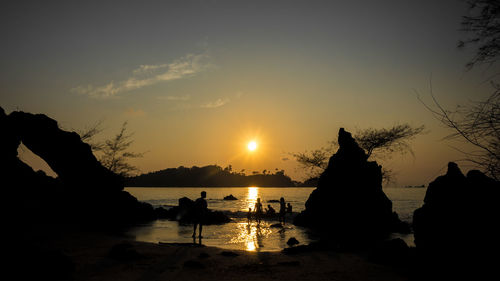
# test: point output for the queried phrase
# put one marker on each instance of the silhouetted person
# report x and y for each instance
(200, 210)
(270, 211)
(258, 211)
(282, 213)
(249, 215)
(289, 208)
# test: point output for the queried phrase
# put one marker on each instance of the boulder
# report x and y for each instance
(184, 213)
(458, 213)
(349, 205)
(84, 191)
(292, 241)
(230, 197)
(457, 225)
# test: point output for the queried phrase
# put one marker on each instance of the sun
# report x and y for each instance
(252, 145)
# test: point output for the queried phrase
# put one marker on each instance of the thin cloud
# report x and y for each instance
(134, 112)
(214, 104)
(175, 98)
(149, 68)
(146, 75)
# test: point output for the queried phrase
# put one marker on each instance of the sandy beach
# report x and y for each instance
(105, 256)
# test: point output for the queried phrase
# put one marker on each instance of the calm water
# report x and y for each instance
(239, 234)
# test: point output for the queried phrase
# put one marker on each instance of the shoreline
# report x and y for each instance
(113, 256)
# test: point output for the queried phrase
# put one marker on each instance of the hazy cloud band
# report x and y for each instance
(146, 75)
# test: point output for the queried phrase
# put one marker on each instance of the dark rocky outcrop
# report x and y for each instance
(292, 241)
(184, 213)
(84, 191)
(460, 213)
(348, 205)
(230, 197)
(456, 228)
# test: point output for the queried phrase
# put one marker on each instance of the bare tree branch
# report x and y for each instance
(478, 123)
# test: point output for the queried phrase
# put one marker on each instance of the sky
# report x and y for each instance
(197, 80)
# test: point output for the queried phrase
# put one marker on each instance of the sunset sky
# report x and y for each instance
(198, 80)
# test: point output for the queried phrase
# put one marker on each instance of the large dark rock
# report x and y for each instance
(459, 213)
(184, 213)
(349, 205)
(456, 228)
(84, 191)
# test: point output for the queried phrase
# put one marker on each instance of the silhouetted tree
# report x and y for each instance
(113, 153)
(478, 124)
(87, 135)
(315, 161)
(387, 141)
(483, 23)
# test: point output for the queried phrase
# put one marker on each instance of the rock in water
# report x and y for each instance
(349, 205)
(292, 241)
(230, 197)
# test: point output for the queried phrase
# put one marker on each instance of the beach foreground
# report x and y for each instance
(98, 256)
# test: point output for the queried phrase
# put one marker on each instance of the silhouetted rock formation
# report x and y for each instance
(292, 241)
(84, 190)
(457, 225)
(349, 205)
(230, 197)
(184, 213)
(459, 212)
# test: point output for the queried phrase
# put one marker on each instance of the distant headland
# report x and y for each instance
(209, 176)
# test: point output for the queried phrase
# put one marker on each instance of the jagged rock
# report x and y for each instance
(184, 213)
(66, 154)
(84, 191)
(292, 241)
(230, 197)
(457, 225)
(349, 205)
(458, 212)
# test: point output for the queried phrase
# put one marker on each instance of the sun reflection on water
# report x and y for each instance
(251, 235)
(252, 195)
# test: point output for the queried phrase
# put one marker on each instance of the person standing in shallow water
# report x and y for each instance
(258, 211)
(281, 216)
(200, 210)
(249, 215)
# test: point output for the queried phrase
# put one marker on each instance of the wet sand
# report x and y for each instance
(98, 256)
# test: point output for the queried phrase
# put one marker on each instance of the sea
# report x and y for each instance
(240, 233)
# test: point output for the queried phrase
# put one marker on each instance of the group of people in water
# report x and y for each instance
(258, 212)
(200, 209)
